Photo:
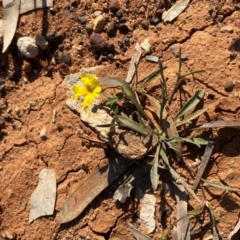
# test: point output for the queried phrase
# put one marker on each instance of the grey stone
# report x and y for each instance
(28, 47)
(41, 42)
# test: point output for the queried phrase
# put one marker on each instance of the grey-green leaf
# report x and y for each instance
(192, 102)
(132, 124)
(154, 170)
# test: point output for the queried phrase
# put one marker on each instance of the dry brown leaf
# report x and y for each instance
(89, 189)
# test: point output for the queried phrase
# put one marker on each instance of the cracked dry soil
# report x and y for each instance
(208, 33)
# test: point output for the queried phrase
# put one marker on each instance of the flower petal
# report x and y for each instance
(88, 100)
(81, 90)
(97, 91)
(90, 81)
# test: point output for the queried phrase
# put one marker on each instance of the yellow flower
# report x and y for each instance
(89, 90)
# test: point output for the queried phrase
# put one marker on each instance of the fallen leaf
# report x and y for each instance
(134, 62)
(89, 189)
(235, 230)
(203, 165)
(183, 225)
(43, 198)
(220, 123)
(175, 10)
(10, 20)
(27, 5)
(137, 234)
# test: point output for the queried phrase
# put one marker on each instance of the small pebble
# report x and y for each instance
(98, 24)
(66, 58)
(59, 127)
(145, 24)
(41, 42)
(154, 21)
(63, 69)
(89, 28)
(233, 55)
(127, 42)
(120, 43)
(72, 9)
(43, 134)
(97, 42)
(123, 28)
(112, 29)
(114, 5)
(227, 29)
(229, 85)
(50, 36)
(97, 13)
(119, 14)
(28, 47)
(110, 56)
(82, 20)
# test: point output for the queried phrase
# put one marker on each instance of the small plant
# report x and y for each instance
(128, 113)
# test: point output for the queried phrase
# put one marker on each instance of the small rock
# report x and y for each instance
(41, 42)
(82, 20)
(59, 127)
(17, 111)
(112, 29)
(72, 9)
(110, 56)
(229, 85)
(114, 5)
(28, 47)
(97, 42)
(95, 6)
(226, 29)
(43, 134)
(98, 24)
(63, 69)
(66, 58)
(127, 42)
(89, 28)
(50, 36)
(97, 13)
(154, 21)
(145, 24)
(123, 28)
(119, 14)
(233, 55)
(151, 58)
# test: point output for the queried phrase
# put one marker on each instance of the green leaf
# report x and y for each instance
(154, 177)
(195, 212)
(196, 141)
(126, 90)
(191, 117)
(193, 72)
(192, 102)
(132, 124)
(221, 186)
